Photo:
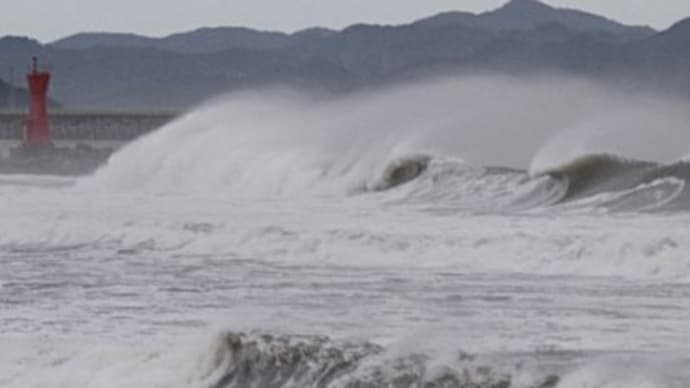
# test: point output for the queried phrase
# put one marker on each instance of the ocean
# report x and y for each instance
(477, 233)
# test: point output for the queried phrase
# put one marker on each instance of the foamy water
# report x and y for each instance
(247, 245)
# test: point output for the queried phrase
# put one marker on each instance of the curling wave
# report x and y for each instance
(240, 360)
(272, 362)
(594, 182)
(623, 184)
(402, 171)
(276, 149)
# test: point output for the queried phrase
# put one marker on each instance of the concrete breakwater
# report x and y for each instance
(89, 125)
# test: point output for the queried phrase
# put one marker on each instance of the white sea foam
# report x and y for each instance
(623, 372)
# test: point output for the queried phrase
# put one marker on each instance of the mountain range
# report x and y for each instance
(109, 70)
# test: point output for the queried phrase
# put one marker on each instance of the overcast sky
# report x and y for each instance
(48, 20)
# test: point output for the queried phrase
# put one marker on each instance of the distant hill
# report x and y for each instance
(11, 97)
(529, 14)
(515, 15)
(203, 40)
(87, 40)
(524, 36)
(669, 43)
(200, 41)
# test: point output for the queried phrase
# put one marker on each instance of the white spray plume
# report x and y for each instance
(274, 142)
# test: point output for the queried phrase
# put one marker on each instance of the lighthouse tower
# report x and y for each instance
(37, 129)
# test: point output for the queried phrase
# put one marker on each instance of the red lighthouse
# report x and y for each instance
(37, 129)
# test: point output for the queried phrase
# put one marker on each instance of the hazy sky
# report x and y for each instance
(48, 20)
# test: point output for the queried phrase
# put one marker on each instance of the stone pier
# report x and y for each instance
(88, 125)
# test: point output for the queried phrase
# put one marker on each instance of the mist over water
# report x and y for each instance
(459, 232)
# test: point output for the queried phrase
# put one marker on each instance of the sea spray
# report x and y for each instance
(274, 142)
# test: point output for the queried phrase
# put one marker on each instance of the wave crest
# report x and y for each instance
(624, 184)
(594, 174)
(273, 361)
(403, 170)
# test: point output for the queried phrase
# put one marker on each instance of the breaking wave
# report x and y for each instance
(270, 146)
(403, 171)
(270, 153)
(269, 361)
(597, 181)
(593, 182)
(238, 360)
(624, 184)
